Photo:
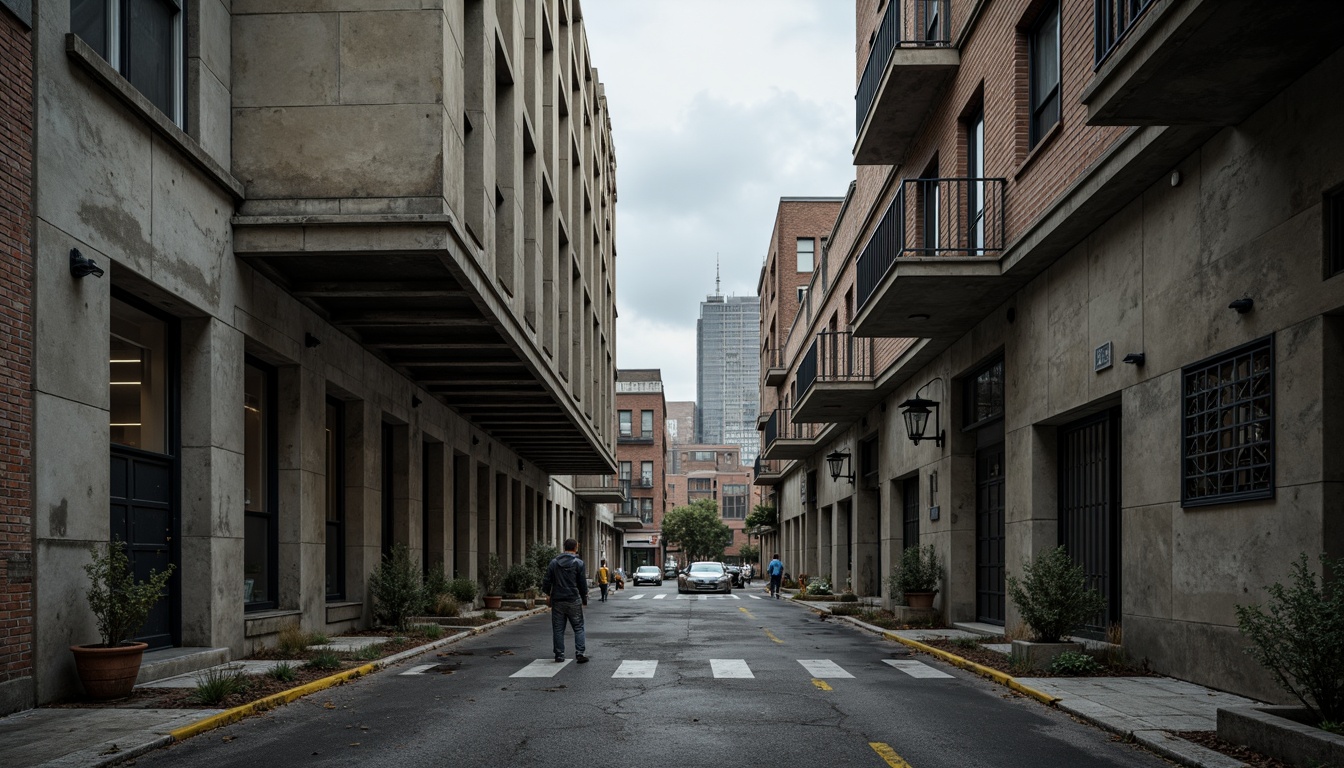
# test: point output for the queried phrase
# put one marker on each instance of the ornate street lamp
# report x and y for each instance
(836, 461)
(916, 411)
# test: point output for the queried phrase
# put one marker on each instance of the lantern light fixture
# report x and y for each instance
(837, 461)
(915, 412)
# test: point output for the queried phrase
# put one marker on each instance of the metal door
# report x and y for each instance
(989, 534)
(143, 516)
(1089, 507)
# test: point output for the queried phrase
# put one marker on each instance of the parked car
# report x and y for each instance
(648, 574)
(735, 572)
(705, 577)
(669, 572)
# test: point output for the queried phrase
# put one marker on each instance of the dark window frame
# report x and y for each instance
(625, 428)
(272, 498)
(336, 464)
(116, 26)
(646, 415)
(970, 420)
(1192, 410)
(909, 513)
(1037, 103)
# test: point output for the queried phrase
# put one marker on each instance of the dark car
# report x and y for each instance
(735, 572)
(648, 574)
(705, 577)
(670, 572)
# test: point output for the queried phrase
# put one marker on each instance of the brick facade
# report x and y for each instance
(639, 391)
(16, 336)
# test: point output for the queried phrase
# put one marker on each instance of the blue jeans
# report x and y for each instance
(774, 585)
(571, 612)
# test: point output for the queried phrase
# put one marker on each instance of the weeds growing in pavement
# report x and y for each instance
(489, 615)
(284, 672)
(966, 643)
(217, 684)
(325, 660)
(1074, 663)
(369, 652)
(431, 631)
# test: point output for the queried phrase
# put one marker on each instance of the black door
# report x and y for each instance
(989, 534)
(143, 517)
(1089, 507)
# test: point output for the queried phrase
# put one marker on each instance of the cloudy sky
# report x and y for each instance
(718, 109)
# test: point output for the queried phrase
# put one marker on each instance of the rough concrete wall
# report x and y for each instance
(16, 349)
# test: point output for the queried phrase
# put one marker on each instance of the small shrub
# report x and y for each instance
(1053, 596)
(492, 575)
(518, 579)
(849, 597)
(217, 684)
(819, 585)
(431, 631)
(966, 643)
(292, 641)
(284, 672)
(369, 652)
(464, 590)
(539, 557)
(325, 660)
(436, 583)
(489, 615)
(398, 593)
(918, 571)
(445, 605)
(1074, 663)
(120, 603)
(1298, 636)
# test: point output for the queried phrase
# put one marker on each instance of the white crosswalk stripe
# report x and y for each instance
(754, 597)
(631, 668)
(660, 596)
(635, 597)
(916, 668)
(824, 668)
(542, 668)
(418, 669)
(731, 668)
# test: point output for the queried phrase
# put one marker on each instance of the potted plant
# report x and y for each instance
(915, 580)
(518, 581)
(1052, 598)
(120, 605)
(493, 577)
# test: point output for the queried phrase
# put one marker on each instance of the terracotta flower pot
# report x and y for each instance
(108, 673)
(920, 599)
(492, 602)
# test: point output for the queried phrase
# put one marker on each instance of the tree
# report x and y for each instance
(749, 553)
(697, 529)
(762, 515)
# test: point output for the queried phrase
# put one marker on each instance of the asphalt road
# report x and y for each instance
(720, 683)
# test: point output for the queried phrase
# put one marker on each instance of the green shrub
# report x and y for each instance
(1298, 635)
(431, 631)
(492, 575)
(217, 684)
(464, 590)
(436, 583)
(966, 643)
(1074, 663)
(518, 579)
(918, 571)
(120, 603)
(849, 597)
(398, 593)
(292, 640)
(284, 672)
(325, 660)
(369, 652)
(846, 609)
(1053, 596)
(489, 615)
(445, 605)
(539, 557)
(819, 585)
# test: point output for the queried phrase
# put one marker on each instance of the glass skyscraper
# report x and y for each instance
(728, 364)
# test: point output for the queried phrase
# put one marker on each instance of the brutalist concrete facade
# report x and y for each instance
(359, 281)
(1100, 381)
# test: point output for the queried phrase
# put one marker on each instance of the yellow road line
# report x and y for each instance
(1002, 678)
(771, 635)
(822, 685)
(744, 610)
(888, 754)
(261, 705)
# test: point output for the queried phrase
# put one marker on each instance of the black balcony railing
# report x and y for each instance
(772, 357)
(934, 218)
(772, 428)
(835, 356)
(1114, 20)
(782, 427)
(927, 23)
(765, 467)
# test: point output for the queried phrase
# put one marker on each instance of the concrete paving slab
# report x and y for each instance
(352, 643)
(1005, 648)
(1184, 752)
(52, 737)
(246, 667)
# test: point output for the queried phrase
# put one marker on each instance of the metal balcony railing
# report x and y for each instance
(772, 357)
(835, 356)
(782, 427)
(766, 466)
(927, 23)
(1114, 19)
(934, 218)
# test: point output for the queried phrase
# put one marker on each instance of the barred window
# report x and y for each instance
(1227, 431)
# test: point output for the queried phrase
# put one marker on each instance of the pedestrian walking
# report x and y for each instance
(603, 580)
(746, 574)
(776, 571)
(566, 590)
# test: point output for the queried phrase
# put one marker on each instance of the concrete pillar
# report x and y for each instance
(465, 562)
(519, 537)
(300, 415)
(436, 519)
(485, 519)
(842, 531)
(867, 578)
(825, 561)
(363, 498)
(503, 542)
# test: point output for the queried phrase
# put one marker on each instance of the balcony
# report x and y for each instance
(627, 522)
(789, 439)
(767, 472)
(911, 61)
(835, 379)
(640, 439)
(776, 372)
(601, 489)
(1202, 62)
(932, 265)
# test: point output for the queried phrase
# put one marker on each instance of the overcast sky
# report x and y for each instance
(718, 109)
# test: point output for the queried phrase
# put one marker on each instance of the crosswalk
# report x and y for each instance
(723, 669)
(665, 595)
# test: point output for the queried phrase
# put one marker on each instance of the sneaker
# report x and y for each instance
(559, 659)
(581, 659)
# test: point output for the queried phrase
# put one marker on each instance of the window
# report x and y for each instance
(975, 169)
(984, 395)
(645, 511)
(141, 39)
(625, 470)
(624, 420)
(335, 539)
(138, 383)
(807, 252)
(802, 294)
(910, 513)
(734, 501)
(702, 455)
(699, 484)
(1227, 427)
(260, 525)
(1333, 213)
(932, 27)
(1043, 73)
(646, 423)
(928, 209)
(646, 474)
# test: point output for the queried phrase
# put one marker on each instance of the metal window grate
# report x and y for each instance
(909, 513)
(1227, 431)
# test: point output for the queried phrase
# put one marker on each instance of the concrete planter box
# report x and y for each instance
(1038, 656)
(908, 615)
(1282, 733)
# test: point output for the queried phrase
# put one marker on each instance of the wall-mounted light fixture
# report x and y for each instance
(83, 266)
(837, 462)
(415, 401)
(916, 411)
(475, 440)
(310, 341)
(1243, 305)
(1135, 358)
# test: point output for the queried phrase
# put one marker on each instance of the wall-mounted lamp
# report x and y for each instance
(916, 410)
(83, 266)
(415, 401)
(310, 341)
(1243, 305)
(520, 465)
(837, 461)
(475, 440)
(1135, 358)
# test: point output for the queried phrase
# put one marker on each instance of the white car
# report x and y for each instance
(648, 574)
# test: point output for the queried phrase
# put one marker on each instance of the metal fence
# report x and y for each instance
(835, 356)
(1114, 19)
(927, 23)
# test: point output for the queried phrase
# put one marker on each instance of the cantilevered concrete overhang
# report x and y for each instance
(774, 376)
(409, 289)
(835, 402)
(1210, 62)
(628, 522)
(601, 489)
(910, 86)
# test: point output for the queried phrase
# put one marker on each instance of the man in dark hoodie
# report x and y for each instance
(566, 590)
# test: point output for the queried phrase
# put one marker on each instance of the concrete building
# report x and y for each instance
(16, 350)
(727, 342)
(714, 472)
(358, 292)
(680, 430)
(641, 451)
(1101, 242)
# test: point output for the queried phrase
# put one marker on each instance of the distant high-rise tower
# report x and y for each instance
(728, 361)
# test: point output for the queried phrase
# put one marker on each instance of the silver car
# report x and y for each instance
(648, 574)
(704, 577)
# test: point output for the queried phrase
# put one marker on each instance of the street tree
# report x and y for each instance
(762, 515)
(697, 529)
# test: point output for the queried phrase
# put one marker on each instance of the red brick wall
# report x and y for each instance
(16, 338)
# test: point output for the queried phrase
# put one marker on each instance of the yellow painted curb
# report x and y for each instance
(261, 705)
(1002, 678)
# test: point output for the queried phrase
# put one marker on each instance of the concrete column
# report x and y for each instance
(891, 534)
(842, 531)
(504, 519)
(465, 562)
(406, 489)
(957, 547)
(519, 536)
(301, 469)
(436, 520)
(867, 579)
(363, 498)
(825, 555)
(485, 519)
(1031, 504)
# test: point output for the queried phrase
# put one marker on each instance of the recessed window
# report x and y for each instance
(909, 513)
(807, 253)
(1227, 428)
(138, 381)
(625, 424)
(646, 424)
(983, 397)
(802, 294)
(260, 528)
(645, 511)
(1333, 212)
(141, 39)
(1043, 73)
(975, 170)
(335, 523)
(703, 456)
(734, 501)
(646, 474)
